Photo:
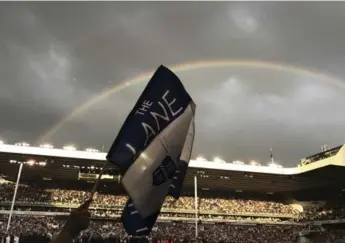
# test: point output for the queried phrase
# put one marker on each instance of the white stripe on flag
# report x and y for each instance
(131, 148)
(142, 229)
(146, 197)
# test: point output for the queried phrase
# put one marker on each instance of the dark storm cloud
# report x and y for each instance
(55, 56)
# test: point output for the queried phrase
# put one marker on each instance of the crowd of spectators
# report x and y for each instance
(110, 214)
(45, 228)
(107, 206)
(102, 231)
(28, 194)
(208, 208)
(325, 212)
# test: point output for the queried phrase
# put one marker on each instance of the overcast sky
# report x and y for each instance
(56, 56)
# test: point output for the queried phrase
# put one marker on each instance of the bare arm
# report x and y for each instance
(78, 221)
(64, 237)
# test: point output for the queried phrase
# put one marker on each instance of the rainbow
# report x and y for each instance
(231, 63)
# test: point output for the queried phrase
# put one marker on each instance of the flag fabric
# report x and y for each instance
(153, 149)
(134, 223)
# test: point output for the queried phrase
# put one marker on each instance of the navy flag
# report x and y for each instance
(153, 149)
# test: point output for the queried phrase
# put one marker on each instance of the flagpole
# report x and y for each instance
(14, 197)
(196, 205)
(98, 180)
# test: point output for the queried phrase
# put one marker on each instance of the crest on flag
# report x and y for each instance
(164, 172)
(153, 149)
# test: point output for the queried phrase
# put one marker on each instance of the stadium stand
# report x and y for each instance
(236, 202)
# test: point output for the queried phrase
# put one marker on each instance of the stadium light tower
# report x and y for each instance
(47, 145)
(272, 163)
(31, 162)
(271, 155)
(69, 147)
(254, 162)
(238, 162)
(218, 160)
(200, 158)
(22, 144)
(42, 163)
(92, 150)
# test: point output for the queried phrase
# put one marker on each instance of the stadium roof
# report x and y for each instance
(325, 170)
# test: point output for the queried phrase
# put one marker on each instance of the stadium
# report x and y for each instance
(221, 202)
(232, 79)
